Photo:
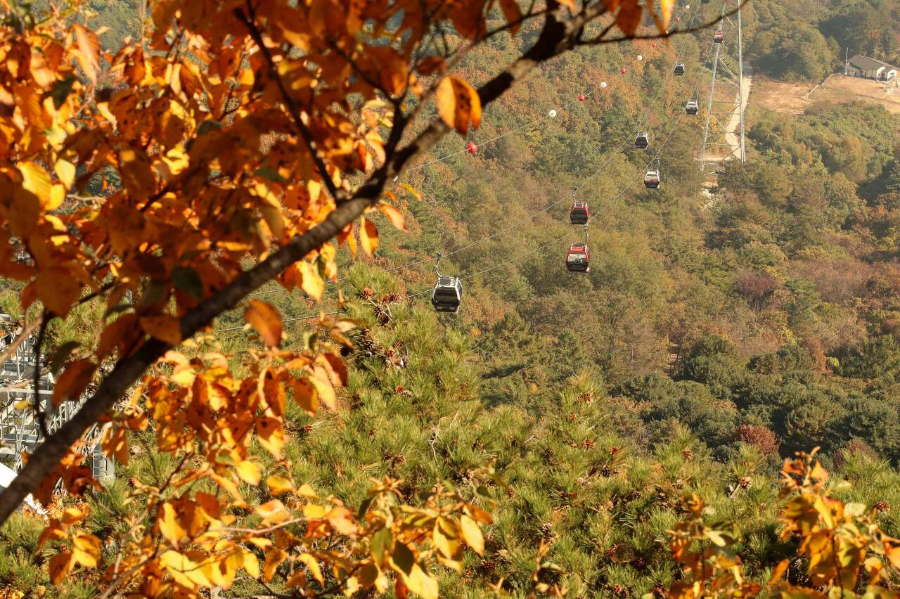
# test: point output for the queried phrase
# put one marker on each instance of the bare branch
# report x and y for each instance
(15, 343)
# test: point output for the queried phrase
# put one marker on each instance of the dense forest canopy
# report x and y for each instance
(591, 436)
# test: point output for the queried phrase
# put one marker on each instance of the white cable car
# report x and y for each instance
(679, 69)
(642, 140)
(692, 107)
(447, 294)
(652, 179)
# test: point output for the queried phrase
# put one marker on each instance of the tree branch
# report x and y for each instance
(555, 38)
(15, 343)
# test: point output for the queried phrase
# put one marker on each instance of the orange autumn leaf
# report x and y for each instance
(164, 327)
(458, 104)
(266, 320)
(665, 9)
(393, 215)
(513, 14)
(88, 53)
(73, 381)
(629, 16)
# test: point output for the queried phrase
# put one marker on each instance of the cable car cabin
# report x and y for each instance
(578, 259)
(692, 107)
(642, 141)
(447, 294)
(580, 214)
(679, 69)
(652, 180)
(719, 36)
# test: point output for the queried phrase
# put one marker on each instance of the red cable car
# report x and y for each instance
(578, 259)
(719, 36)
(580, 213)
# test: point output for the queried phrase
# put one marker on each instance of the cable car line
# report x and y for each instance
(593, 217)
(624, 145)
(541, 118)
(454, 283)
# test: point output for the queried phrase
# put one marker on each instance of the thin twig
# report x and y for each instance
(15, 343)
(248, 19)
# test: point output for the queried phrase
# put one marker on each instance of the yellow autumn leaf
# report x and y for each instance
(169, 527)
(251, 564)
(420, 583)
(279, 485)
(306, 396)
(273, 560)
(341, 520)
(57, 197)
(273, 512)
(324, 389)
(184, 570)
(65, 170)
(271, 436)
(472, 534)
(36, 180)
(368, 236)
(311, 283)
(86, 550)
(313, 566)
(249, 472)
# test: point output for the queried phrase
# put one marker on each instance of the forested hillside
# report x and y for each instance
(809, 39)
(726, 324)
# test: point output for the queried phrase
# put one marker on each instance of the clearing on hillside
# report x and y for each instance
(794, 98)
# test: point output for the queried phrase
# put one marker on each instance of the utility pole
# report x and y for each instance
(741, 81)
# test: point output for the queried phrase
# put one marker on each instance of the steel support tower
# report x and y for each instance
(723, 137)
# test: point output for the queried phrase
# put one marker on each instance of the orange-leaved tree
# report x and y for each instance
(241, 142)
(842, 551)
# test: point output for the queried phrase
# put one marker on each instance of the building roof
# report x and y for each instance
(869, 64)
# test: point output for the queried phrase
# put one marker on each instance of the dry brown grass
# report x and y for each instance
(794, 98)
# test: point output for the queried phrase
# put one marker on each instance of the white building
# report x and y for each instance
(870, 68)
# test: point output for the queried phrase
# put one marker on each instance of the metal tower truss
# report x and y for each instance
(20, 429)
(723, 137)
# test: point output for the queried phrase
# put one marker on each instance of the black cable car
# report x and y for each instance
(679, 69)
(642, 141)
(719, 36)
(580, 214)
(652, 179)
(578, 259)
(447, 294)
(692, 107)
